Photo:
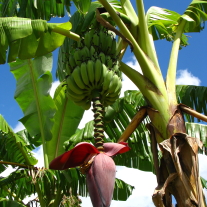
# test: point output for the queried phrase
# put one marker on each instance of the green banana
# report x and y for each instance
(113, 84)
(77, 78)
(73, 86)
(102, 36)
(84, 73)
(85, 103)
(102, 57)
(88, 38)
(104, 71)
(107, 44)
(109, 62)
(98, 71)
(107, 80)
(93, 53)
(74, 97)
(77, 57)
(85, 54)
(113, 49)
(95, 40)
(90, 69)
(72, 62)
(116, 68)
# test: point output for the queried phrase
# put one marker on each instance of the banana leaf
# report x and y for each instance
(13, 147)
(67, 119)
(34, 80)
(195, 15)
(162, 24)
(28, 38)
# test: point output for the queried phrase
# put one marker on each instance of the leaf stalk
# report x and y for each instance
(171, 73)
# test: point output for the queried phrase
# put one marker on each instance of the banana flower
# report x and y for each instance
(98, 166)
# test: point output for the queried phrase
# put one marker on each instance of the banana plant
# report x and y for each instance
(154, 114)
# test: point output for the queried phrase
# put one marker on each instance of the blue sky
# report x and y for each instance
(192, 64)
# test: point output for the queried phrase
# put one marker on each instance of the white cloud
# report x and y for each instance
(55, 84)
(184, 77)
(18, 127)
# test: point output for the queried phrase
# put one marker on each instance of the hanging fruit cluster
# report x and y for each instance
(94, 68)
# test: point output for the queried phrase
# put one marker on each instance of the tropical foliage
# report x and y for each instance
(26, 43)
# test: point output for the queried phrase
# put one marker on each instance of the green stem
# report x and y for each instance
(151, 93)
(16, 164)
(130, 12)
(39, 193)
(98, 110)
(171, 73)
(144, 39)
(66, 33)
(39, 112)
(57, 198)
(146, 64)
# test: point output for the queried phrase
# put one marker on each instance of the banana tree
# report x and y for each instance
(154, 114)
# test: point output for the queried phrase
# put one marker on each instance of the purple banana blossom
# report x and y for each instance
(99, 167)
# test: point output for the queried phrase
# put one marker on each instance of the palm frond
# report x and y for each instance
(28, 38)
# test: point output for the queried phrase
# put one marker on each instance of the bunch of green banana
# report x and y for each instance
(93, 76)
(94, 67)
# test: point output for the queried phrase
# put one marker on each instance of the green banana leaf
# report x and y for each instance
(195, 15)
(199, 131)
(28, 38)
(35, 9)
(13, 147)
(162, 24)
(34, 80)
(194, 97)
(67, 119)
(114, 3)
(82, 6)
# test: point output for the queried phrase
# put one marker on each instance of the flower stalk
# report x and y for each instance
(98, 123)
